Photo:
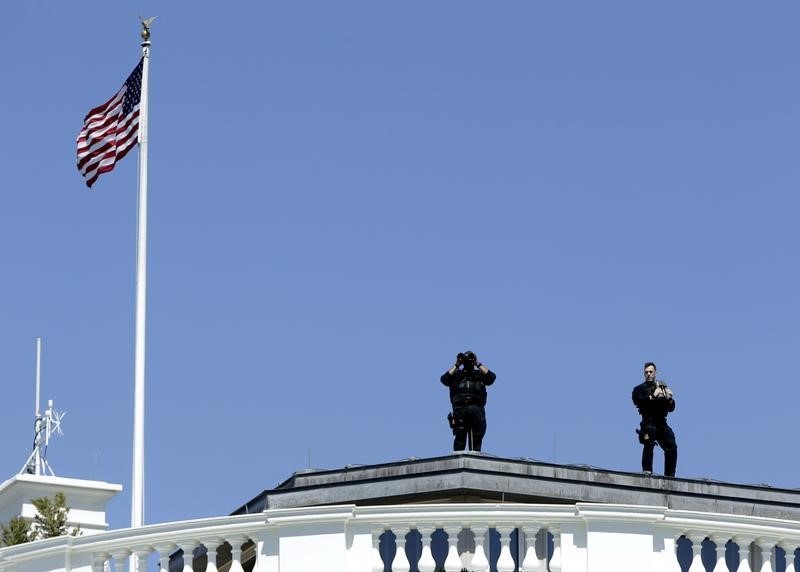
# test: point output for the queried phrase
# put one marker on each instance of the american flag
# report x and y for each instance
(110, 130)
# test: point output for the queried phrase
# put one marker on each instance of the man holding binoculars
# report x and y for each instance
(467, 380)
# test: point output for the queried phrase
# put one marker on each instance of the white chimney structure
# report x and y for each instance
(86, 500)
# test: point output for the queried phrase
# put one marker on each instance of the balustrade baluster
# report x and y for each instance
(720, 543)
(505, 562)
(119, 560)
(164, 552)
(789, 549)
(480, 563)
(377, 561)
(467, 544)
(426, 562)
(452, 563)
(188, 555)
(401, 563)
(141, 555)
(99, 562)
(744, 553)
(531, 562)
(767, 546)
(236, 553)
(697, 547)
(211, 554)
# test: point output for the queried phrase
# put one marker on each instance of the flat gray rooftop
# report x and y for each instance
(477, 477)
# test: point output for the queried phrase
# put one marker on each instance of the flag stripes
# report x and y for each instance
(110, 130)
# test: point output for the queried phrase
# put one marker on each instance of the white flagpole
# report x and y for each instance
(137, 482)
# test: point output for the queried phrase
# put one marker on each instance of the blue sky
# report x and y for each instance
(343, 195)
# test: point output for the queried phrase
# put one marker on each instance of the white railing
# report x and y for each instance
(452, 537)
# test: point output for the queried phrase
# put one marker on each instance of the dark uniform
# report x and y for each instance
(653, 428)
(468, 397)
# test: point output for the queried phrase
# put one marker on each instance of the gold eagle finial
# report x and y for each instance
(146, 23)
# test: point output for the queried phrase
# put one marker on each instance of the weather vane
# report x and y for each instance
(146, 23)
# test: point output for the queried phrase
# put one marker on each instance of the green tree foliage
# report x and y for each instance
(17, 531)
(50, 521)
(51, 518)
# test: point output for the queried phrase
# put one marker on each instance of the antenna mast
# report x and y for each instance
(43, 427)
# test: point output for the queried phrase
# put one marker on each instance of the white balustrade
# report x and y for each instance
(452, 563)
(426, 562)
(140, 557)
(401, 563)
(120, 556)
(766, 546)
(531, 562)
(164, 551)
(720, 545)
(788, 550)
(480, 563)
(377, 561)
(188, 555)
(236, 543)
(697, 547)
(505, 562)
(466, 542)
(584, 537)
(744, 553)
(99, 562)
(211, 554)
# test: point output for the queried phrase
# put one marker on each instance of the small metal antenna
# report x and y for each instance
(43, 427)
(38, 373)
